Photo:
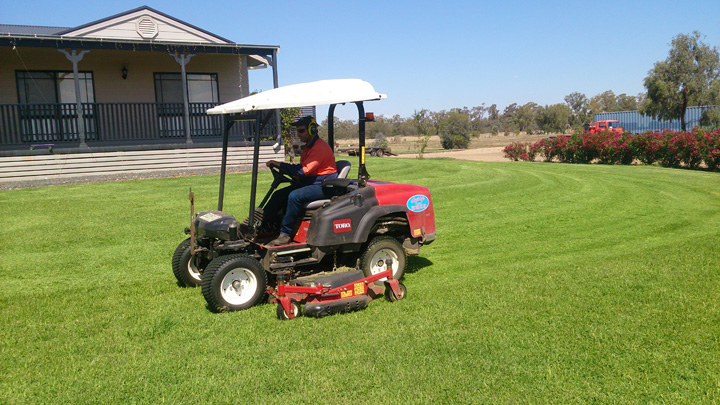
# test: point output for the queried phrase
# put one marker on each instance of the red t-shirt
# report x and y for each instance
(318, 159)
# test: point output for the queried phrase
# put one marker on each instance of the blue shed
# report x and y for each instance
(633, 121)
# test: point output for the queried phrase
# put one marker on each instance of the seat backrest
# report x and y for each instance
(343, 168)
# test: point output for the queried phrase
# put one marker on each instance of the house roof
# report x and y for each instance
(142, 28)
(30, 29)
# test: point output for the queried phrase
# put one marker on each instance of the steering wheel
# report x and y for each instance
(281, 176)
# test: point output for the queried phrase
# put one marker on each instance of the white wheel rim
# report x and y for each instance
(294, 308)
(238, 286)
(379, 260)
(193, 270)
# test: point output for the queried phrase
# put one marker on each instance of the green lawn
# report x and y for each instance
(547, 283)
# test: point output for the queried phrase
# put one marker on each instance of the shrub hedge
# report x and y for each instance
(667, 148)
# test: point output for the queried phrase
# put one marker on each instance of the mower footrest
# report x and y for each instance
(321, 309)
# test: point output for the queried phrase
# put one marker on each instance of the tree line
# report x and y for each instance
(529, 118)
(690, 76)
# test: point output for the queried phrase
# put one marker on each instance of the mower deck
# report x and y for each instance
(326, 294)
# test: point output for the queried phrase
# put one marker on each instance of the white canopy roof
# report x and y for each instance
(322, 92)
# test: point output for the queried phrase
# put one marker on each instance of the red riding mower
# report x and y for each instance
(372, 225)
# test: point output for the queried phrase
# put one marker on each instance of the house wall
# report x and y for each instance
(26, 58)
(106, 67)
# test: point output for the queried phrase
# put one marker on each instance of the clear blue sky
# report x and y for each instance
(432, 54)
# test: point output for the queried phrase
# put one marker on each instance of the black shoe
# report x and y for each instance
(280, 240)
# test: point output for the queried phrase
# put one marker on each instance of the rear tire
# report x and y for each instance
(233, 283)
(381, 248)
(379, 153)
(185, 266)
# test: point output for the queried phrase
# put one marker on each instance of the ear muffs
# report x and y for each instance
(313, 127)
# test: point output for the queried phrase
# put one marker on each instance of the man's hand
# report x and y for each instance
(272, 163)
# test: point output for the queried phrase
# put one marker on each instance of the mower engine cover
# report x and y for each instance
(217, 224)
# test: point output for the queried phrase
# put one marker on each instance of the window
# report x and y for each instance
(48, 110)
(202, 94)
(202, 88)
(53, 87)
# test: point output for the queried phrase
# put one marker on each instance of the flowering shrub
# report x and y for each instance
(521, 151)
(710, 149)
(645, 146)
(668, 148)
(515, 151)
(548, 148)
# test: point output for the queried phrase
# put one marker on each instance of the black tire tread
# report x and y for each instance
(179, 268)
(208, 291)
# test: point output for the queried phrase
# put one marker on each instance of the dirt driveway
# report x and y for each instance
(494, 154)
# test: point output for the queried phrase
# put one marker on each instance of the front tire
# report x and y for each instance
(233, 283)
(185, 266)
(295, 308)
(380, 249)
(390, 294)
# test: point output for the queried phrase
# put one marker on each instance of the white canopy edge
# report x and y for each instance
(336, 91)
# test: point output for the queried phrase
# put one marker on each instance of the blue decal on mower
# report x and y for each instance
(418, 203)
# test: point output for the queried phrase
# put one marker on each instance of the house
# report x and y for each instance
(138, 81)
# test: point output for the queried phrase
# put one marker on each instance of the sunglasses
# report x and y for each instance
(301, 131)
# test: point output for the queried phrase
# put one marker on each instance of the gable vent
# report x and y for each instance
(146, 27)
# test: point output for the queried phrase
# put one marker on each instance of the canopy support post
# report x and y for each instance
(363, 175)
(331, 126)
(226, 134)
(256, 161)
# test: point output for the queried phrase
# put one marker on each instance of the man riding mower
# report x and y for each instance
(317, 164)
(371, 225)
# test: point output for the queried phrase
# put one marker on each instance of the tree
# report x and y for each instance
(381, 126)
(579, 104)
(554, 118)
(689, 76)
(287, 117)
(604, 102)
(422, 124)
(454, 131)
(711, 118)
(477, 114)
(343, 129)
(507, 120)
(493, 112)
(525, 117)
(626, 103)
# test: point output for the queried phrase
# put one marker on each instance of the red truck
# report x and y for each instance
(605, 126)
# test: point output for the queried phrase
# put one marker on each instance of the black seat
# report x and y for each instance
(343, 168)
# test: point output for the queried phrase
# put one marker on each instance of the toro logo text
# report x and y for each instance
(342, 225)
